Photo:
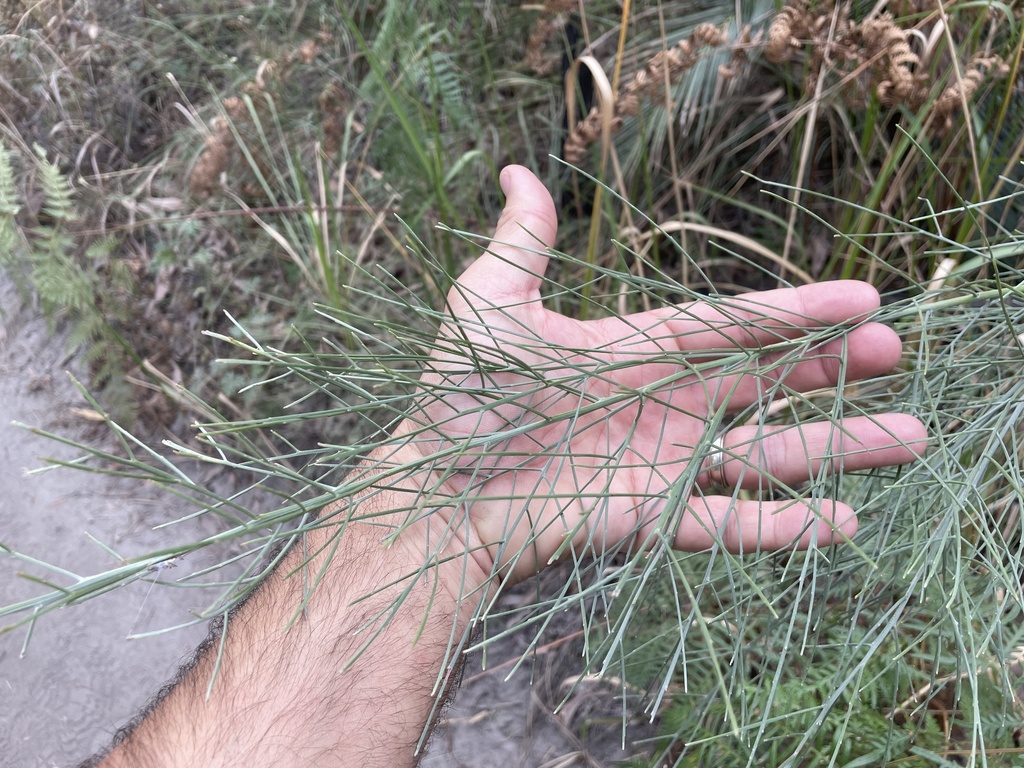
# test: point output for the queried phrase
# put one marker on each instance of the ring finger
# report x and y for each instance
(751, 456)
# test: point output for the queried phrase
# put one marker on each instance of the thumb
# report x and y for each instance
(514, 263)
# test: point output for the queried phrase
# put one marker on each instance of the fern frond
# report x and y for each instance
(9, 209)
(57, 194)
(8, 191)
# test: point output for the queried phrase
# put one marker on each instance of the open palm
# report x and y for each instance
(557, 432)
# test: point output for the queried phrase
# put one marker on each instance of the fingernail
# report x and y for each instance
(503, 179)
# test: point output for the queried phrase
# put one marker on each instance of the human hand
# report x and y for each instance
(550, 432)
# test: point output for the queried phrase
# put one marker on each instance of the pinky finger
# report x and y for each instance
(750, 525)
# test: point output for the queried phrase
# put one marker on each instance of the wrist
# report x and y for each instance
(418, 524)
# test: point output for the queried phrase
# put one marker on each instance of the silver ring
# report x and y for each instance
(714, 464)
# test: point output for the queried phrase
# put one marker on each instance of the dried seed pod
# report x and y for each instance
(537, 60)
(664, 66)
(234, 107)
(782, 43)
(205, 177)
(957, 93)
(307, 51)
(707, 35)
(888, 43)
(586, 132)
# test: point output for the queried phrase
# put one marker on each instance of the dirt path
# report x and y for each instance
(80, 678)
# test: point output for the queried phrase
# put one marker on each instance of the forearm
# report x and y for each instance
(285, 691)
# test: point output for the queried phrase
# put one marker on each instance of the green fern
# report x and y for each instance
(57, 203)
(84, 286)
(8, 199)
(9, 208)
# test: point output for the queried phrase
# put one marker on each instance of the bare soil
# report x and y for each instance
(79, 678)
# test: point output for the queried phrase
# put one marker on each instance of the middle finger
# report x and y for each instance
(869, 350)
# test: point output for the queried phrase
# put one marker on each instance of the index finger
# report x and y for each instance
(750, 321)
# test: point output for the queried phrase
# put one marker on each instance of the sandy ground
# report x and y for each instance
(80, 678)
